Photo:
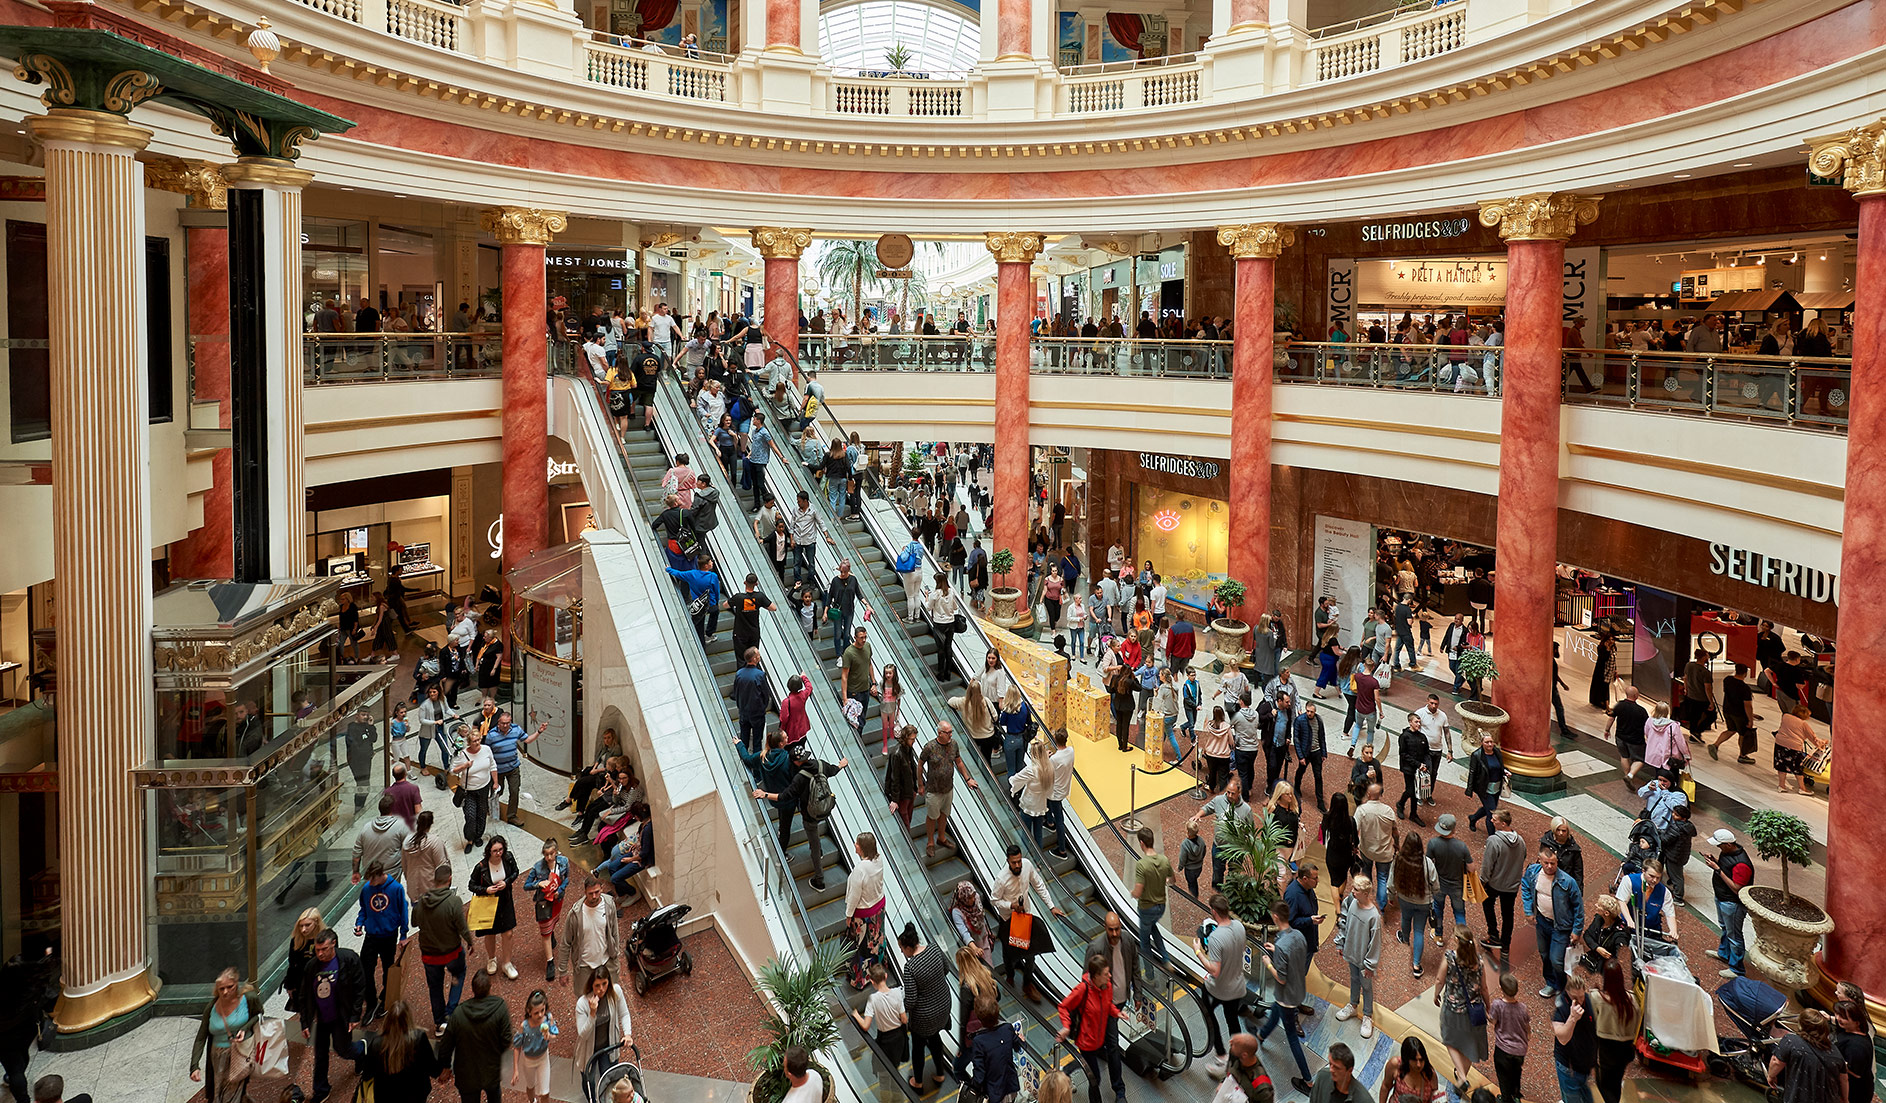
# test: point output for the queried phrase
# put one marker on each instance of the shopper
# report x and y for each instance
(444, 942)
(1462, 990)
(381, 925)
(1410, 1075)
(926, 1003)
(1026, 936)
(1416, 881)
(884, 1013)
(1089, 1007)
(234, 1013)
(400, 1062)
(592, 938)
(1337, 1082)
(808, 794)
(1730, 872)
(332, 999)
(1512, 1036)
(1616, 1018)
(1486, 779)
(507, 742)
(1553, 902)
(1574, 1041)
(1220, 948)
(1287, 960)
(1502, 865)
(476, 770)
(864, 910)
(900, 774)
(494, 877)
(476, 1038)
(602, 1020)
(547, 882)
(938, 768)
(1378, 838)
(1413, 747)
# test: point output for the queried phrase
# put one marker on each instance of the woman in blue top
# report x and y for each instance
(234, 1011)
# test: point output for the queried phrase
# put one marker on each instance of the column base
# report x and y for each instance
(110, 1012)
(1820, 990)
(1534, 773)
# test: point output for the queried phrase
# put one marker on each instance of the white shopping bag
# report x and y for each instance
(271, 1048)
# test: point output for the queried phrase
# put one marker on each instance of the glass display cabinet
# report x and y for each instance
(547, 653)
(266, 763)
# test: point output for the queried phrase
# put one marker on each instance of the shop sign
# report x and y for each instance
(659, 263)
(560, 469)
(1339, 300)
(1429, 230)
(1345, 569)
(1107, 276)
(1583, 293)
(1435, 283)
(595, 262)
(494, 537)
(1757, 569)
(1178, 465)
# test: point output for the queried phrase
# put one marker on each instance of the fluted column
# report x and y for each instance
(523, 232)
(1015, 252)
(1254, 247)
(270, 467)
(1535, 229)
(209, 551)
(780, 247)
(101, 539)
(1854, 880)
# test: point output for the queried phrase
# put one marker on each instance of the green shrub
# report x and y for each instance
(1230, 593)
(1780, 836)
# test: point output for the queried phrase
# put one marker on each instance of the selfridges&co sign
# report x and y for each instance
(1416, 231)
(1178, 465)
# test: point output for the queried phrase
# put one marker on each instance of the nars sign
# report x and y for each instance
(1178, 465)
(1757, 569)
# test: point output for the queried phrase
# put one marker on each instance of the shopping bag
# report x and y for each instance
(271, 1048)
(396, 978)
(1475, 892)
(1020, 929)
(1572, 957)
(1687, 783)
(482, 913)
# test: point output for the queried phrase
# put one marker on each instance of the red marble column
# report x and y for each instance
(209, 551)
(1526, 541)
(782, 23)
(1014, 305)
(522, 233)
(1014, 30)
(1855, 880)
(1248, 547)
(1247, 13)
(782, 302)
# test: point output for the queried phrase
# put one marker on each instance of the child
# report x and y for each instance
(1361, 950)
(884, 1012)
(1427, 635)
(1512, 1029)
(533, 1048)
(1192, 856)
(1189, 698)
(1677, 839)
(401, 731)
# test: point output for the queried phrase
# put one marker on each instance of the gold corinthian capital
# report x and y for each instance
(524, 225)
(1253, 240)
(1542, 216)
(780, 242)
(1013, 246)
(201, 181)
(1859, 155)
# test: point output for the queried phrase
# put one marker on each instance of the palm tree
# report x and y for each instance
(850, 263)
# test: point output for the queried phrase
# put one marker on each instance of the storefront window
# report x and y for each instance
(1186, 538)
(333, 263)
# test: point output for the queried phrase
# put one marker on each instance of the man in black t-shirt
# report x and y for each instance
(745, 607)
(1788, 676)
(1738, 715)
(1628, 719)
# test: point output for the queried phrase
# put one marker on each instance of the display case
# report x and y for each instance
(547, 653)
(266, 764)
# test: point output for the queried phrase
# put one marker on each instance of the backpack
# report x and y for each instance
(819, 801)
(909, 558)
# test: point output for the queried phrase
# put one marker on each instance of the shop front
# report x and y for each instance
(1165, 509)
(589, 283)
(1110, 292)
(663, 281)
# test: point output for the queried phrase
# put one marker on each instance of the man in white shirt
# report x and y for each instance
(1452, 642)
(597, 358)
(591, 935)
(1157, 598)
(1062, 763)
(804, 1084)
(1110, 600)
(661, 333)
(1008, 892)
(1433, 721)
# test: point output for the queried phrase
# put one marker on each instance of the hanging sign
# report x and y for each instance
(1435, 283)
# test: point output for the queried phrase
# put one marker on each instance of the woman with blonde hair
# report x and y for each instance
(1055, 1087)
(301, 951)
(1282, 809)
(975, 985)
(1031, 785)
(234, 1012)
(978, 720)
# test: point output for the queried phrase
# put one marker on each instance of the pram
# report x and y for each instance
(608, 1067)
(655, 946)
(1756, 1010)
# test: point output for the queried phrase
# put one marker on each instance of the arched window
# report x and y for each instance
(942, 39)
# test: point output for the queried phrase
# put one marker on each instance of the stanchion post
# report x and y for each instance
(1131, 823)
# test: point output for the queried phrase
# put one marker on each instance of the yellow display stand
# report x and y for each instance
(1089, 710)
(1040, 672)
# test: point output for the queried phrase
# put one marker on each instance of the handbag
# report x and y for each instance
(1687, 783)
(960, 624)
(546, 908)
(1477, 1012)
(363, 1090)
(482, 913)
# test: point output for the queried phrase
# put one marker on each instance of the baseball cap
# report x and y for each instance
(1722, 837)
(1445, 825)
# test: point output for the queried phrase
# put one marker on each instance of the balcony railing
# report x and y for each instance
(899, 97)
(645, 70)
(399, 357)
(1160, 86)
(1411, 35)
(902, 352)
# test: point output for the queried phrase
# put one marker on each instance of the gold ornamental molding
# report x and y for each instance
(1859, 155)
(267, 172)
(195, 656)
(1531, 765)
(201, 181)
(121, 997)
(1013, 246)
(1541, 216)
(780, 242)
(1681, 19)
(91, 128)
(524, 225)
(1257, 240)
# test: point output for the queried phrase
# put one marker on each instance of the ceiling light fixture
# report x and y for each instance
(1744, 164)
(1823, 256)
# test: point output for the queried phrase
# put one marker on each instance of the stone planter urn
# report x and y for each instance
(1787, 930)
(1003, 602)
(1479, 718)
(1227, 641)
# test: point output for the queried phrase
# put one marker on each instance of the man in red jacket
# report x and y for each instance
(1181, 645)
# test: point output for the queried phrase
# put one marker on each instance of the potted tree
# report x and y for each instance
(1254, 873)
(1228, 631)
(1787, 926)
(803, 998)
(1478, 716)
(1003, 597)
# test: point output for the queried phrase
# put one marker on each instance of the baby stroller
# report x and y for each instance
(655, 946)
(1756, 1010)
(608, 1067)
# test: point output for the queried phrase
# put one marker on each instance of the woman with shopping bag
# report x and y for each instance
(226, 1031)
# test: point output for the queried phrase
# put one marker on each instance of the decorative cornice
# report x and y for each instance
(202, 181)
(1013, 246)
(661, 240)
(208, 658)
(92, 128)
(1541, 216)
(780, 242)
(1859, 155)
(266, 172)
(524, 225)
(1253, 240)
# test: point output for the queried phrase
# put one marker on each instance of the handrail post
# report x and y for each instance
(1709, 385)
(1132, 821)
(1791, 408)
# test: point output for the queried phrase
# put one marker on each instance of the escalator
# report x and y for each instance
(984, 828)
(910, 882)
